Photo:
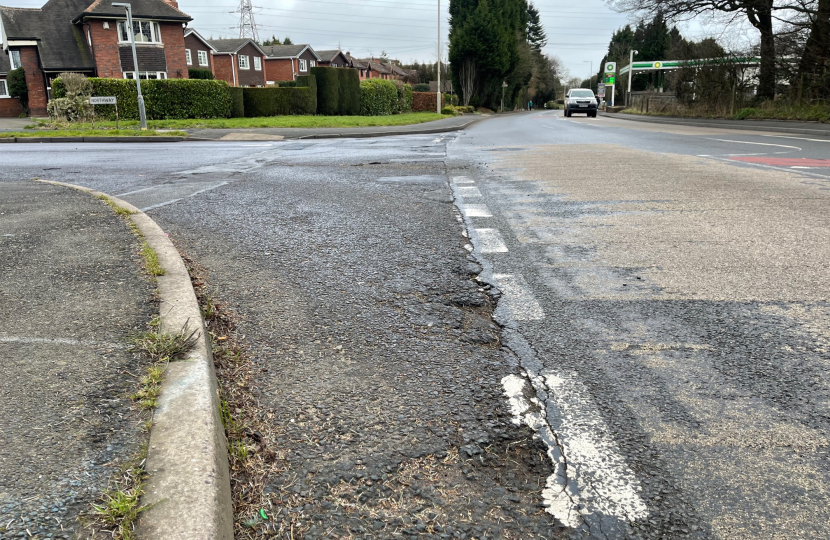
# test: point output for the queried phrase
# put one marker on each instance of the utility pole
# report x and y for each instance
(630, 75)
(438, 97)
(142, 114)
(247, 25)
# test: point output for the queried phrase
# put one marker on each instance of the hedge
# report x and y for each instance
(328, 90)
(196, 73)
(378, 97)
(404, 101)
(424, 102)
(237, 102)
(349, 91)
(163, 99)
(279, 101)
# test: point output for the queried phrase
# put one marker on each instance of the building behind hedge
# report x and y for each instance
(92, 38)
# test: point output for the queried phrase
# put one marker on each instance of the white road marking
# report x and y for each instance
(797, 138)
(135, 191)
(463, 180)
(477, 210)
(60, 341)
(518, 298)
(799, 167)
(468, 191)
(758, 143)
(491, 241)
(165, 203)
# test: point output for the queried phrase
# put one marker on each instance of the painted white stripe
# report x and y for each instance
(467, 191)
(518, 298)
(590, 476)
(491, 241)
(757, 143)
(165, 203)
(463, 180)
(60, 341)
(798, 138)
(477, 210)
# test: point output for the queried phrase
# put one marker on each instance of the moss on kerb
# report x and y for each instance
(148, 254)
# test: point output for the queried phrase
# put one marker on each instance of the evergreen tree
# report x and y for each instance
(287, 41)
(536, 35)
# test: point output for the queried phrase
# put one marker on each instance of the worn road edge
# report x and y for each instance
(187, 463)
(699, 122)
(42, 140)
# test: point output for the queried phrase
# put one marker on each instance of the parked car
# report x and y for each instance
(580, 100)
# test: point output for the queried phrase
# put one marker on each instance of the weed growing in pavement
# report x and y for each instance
(151, 260)
(123, 212)
(148, 254)
(150, 387)
(164, 347)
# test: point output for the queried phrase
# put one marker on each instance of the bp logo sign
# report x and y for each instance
(658, 65)
(611, 67)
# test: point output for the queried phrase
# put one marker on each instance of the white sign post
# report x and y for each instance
(610, 70)
(104, 100)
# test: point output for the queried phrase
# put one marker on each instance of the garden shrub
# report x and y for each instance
(328, 90)
(349, 91)
(200, 74)
(163, 99)
(283, 100)
(74, 105)
(424, 101)
(420, 87)
(449, 109)
(378, 97)
(16, 81)
(237, 102)
(403, 103)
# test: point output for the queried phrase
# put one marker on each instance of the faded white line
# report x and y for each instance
(165, 203)
(60, 341)
(518, 298)
(797, 138)
(463, 180)
(135, 191)
(758, 143)
(468, 191)
(477, 210)
(491, 241)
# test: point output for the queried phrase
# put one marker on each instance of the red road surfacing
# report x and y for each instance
(785, 162)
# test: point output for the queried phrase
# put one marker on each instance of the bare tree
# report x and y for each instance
(467, 77)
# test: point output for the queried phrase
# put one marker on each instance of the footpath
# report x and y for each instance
(777, 126)
(72, 294)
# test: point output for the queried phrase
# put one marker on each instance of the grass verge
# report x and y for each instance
(85, 131)
(270, 122)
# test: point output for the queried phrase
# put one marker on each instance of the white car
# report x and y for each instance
(581, 100)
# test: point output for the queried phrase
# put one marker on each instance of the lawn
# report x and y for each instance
(279, 122)
(90, 133)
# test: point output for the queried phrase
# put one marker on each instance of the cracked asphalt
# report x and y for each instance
(537, 328)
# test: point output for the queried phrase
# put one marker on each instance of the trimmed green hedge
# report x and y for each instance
(237, 102)
(202, 74)
(338, 91)
(378, 97)
(278, 101)
(404, 101)
(163, 99)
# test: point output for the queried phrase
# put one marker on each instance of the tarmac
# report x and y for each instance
(73, 292)
(776, 126)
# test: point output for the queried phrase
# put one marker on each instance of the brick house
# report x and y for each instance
(198, 52)
(9, 106)
(239, 61)
(287, 62)
(333, 58)
(92, 38)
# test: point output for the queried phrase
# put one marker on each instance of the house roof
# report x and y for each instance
(288, 51)
(200, 37)
(329, 55)
(377, 66)
(61, 42)
(142, 9)
(232, 46)
(357, 63)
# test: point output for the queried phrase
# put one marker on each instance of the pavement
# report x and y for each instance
(536, 327)
(72, 292)
(777, 126)
(15, 124)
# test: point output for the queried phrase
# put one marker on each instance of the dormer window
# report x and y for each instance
(144, 32)
(14, 58)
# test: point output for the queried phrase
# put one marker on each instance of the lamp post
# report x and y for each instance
(590, 75)
(438, 97)
(142, 115)
(630, 75)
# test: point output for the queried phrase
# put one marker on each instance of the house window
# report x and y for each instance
(313, 63)
(14, 56)
(243, 62)
(303, 65)
(187, 57)
(143, 32)
(257, 63)
(143, 75)
(4, 89)
(203, 59)
(334, 65)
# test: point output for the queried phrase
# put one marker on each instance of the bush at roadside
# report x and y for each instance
(278, 101)
(163, 99)
(424, 101)
(202, 74)
(378, 97)
(338, 91)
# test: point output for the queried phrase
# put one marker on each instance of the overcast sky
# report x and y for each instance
(578, 31)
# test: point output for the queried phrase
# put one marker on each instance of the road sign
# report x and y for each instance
(103, 100)
(601, 90)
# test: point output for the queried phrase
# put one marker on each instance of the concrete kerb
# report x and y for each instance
(187, 463)
(373, 134)
(703, 123)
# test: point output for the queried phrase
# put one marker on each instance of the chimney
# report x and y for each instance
(172, 3)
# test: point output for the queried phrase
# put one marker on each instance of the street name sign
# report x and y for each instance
(103, 100)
